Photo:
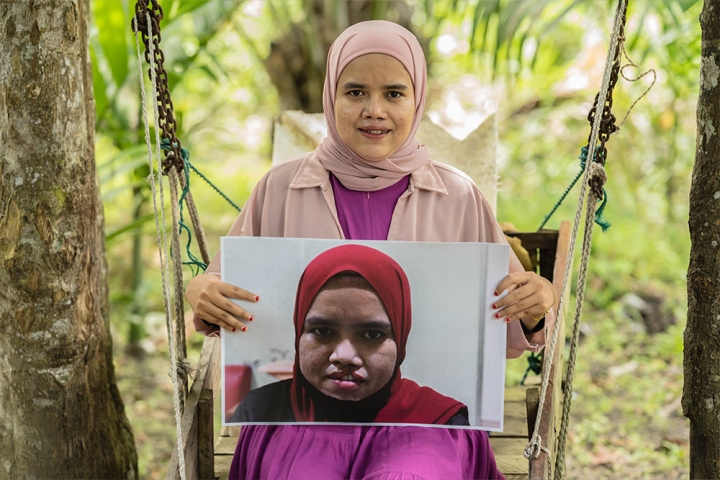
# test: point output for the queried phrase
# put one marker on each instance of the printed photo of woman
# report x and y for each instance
(352, 321)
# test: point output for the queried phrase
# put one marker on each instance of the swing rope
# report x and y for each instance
(594, 177)
(160, 226)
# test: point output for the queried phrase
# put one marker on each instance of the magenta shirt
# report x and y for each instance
(346, 451)
(367, 215)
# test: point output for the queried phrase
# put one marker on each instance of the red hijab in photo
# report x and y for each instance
(407, 402)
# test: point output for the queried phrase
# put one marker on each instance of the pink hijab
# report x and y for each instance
(376, 36)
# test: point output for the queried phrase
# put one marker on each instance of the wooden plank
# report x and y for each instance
(222, 466)
(206, 469)
(541, 239)
(512, 464)
(540, 467)
(225, 445)
(208, 376)
(508, 445)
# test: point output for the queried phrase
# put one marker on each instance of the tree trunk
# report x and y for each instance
(61, 415)
(701, 396)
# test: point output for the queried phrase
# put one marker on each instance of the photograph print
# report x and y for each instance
(365, 332)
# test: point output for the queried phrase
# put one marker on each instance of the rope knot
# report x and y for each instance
(598, 178)
(534, 447)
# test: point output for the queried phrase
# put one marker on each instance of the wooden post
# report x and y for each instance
(532, 402)
(206, 454)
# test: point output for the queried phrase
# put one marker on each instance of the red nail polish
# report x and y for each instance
(507, 319)
(494, 305)
(497, 315)
(496, 294)
(244, 329)
(250, 318)
(257, 298)
(233, 329)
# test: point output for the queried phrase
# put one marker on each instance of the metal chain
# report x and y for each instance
(167, 122)
(607, 120)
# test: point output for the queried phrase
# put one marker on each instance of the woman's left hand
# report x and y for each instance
(530, 297)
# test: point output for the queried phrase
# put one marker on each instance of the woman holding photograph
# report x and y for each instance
(371, 179)
(352, 320)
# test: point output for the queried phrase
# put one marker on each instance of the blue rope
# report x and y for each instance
(599, 218)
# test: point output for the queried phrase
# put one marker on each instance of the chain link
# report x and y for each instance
(607, 121)
(166, 115)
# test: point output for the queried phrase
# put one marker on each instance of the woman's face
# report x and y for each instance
(347, 348)
(374, 106)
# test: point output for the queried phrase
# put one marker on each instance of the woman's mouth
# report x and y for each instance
(346, 381)
(375, 132)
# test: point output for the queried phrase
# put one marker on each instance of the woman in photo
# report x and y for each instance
(370, 179)
(352, 320)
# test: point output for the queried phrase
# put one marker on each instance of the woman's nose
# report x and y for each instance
(374, 108)
(345, 353)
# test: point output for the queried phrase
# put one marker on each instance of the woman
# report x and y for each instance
(352, 320)
(371, 179)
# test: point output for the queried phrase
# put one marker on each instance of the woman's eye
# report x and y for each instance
(321, 331)
(354, 93)
(373, 334)
(395, 95)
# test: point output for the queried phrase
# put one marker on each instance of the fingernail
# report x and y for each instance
(250, 318)
(507, 319)
(494, 305)
(497, 315)
(257, 298)
(496, 294)
(244, 329)
(233, 329)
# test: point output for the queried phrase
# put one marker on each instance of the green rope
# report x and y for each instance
(534, 365)
(211, 184)
(599, 219)
(194, 263)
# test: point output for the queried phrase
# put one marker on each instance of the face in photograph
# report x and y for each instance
(347, 348)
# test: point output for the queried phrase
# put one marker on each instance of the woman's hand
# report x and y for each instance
(210, 297)
(530, 297)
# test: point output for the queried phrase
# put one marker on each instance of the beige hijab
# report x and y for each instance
(377, 36)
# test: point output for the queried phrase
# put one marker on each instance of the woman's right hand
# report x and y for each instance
(209, 297)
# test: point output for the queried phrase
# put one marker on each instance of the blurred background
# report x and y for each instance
(233, 65)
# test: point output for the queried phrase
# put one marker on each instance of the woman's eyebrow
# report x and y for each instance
(353, 85)
(396, 86)
(314, 322)
(381, 325)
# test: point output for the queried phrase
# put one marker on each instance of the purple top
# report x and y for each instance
(367, 215)
(337, 452)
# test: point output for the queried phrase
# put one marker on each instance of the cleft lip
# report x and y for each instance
(343, 374)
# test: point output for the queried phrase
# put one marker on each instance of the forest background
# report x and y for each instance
(537, 64)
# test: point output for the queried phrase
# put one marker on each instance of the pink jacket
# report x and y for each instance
(441, 204)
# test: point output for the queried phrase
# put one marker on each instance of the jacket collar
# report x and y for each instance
(312, 174)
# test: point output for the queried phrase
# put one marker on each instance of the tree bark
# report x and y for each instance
(701, 396)
(61, 415)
